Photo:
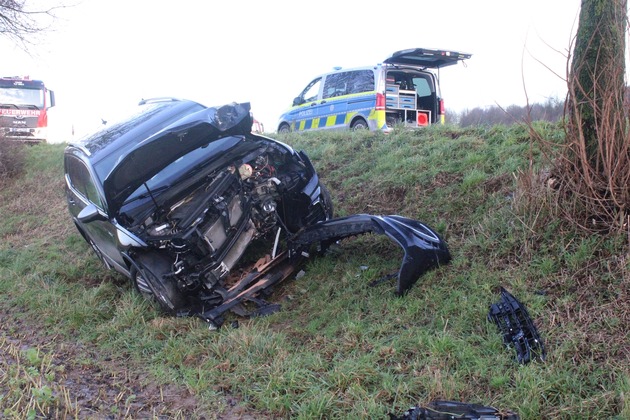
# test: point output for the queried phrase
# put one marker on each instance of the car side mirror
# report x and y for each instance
(90, 213)
(298, 101)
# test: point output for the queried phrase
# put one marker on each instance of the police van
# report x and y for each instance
(404, 89)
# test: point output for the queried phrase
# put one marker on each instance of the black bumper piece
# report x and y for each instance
(423, 247)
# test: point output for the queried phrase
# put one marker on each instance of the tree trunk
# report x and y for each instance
(598, 154)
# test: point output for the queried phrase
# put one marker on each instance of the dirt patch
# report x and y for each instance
(85, 383)
(385, 201)
(443, 179)
(499, 183)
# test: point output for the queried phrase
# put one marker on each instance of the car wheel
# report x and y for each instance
(284, 129)
(326, 201)
(150, 279)
(329, 212)
(141, 284)
(359, 124)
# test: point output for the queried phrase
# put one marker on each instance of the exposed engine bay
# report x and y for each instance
(207, 227)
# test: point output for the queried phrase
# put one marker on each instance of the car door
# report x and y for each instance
(306, 106)
(81, 192)
(334, 104)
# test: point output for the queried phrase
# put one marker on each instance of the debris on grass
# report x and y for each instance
(517, 328)
(446, 410)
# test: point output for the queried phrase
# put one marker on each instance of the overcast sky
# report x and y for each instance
(104, 56)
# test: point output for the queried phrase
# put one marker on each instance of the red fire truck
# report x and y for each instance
(24, 105)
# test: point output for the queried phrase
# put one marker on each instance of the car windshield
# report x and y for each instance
(185, 166)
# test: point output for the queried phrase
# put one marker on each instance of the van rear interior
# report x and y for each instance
(411, 98)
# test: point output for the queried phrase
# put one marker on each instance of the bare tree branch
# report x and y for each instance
(21, 24)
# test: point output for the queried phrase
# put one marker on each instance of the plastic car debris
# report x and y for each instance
(423, 247)
(517, 328)
(448, 410)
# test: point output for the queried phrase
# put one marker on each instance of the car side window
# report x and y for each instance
(81, 181)
(348, 82)
(336, 84)
(311, 91)
(362, 81)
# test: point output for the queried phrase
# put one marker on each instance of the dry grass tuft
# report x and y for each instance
(12, 159)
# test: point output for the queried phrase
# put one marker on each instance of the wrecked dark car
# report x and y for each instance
(173, 195)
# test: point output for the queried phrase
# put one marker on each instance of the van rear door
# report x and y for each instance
(427, 58)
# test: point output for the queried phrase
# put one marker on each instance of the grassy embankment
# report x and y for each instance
(341, 348)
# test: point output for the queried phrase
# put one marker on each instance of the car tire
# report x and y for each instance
(284, 129)
(326, 201)
(149, 277)
(329, 212)
(359, 124)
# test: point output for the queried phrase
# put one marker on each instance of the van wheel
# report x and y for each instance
(284, 129)
(359, 124)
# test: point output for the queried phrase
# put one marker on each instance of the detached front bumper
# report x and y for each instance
(423, 247)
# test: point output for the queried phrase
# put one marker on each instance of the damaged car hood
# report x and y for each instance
(155, 153)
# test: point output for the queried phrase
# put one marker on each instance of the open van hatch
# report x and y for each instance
(428, 58)
(412, 94)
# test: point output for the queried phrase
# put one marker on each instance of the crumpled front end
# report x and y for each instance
(423, 250)
(203, 224)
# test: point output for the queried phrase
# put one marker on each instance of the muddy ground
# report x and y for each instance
(89, 385)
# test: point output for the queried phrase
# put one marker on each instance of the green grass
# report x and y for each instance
(341, 348)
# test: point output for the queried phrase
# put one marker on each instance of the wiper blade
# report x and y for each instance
(9, 105)
(147, 194)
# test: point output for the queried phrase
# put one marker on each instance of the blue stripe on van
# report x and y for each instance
(340, 119)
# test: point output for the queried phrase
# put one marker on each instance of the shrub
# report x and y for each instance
(12, 158)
